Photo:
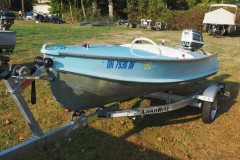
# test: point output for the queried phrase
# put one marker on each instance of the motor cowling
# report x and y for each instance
(191, 39)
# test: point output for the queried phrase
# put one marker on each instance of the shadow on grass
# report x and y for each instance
(235, 34)
(91, 144)
(164, 119)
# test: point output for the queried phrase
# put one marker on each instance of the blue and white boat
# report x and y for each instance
(89, 76)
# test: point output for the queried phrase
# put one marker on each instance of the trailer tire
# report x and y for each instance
(209, 111)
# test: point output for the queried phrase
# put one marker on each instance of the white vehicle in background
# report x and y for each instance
(220, 21)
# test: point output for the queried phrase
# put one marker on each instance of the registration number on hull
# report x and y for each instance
(120, 64)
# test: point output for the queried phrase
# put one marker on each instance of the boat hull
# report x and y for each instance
(79, 92)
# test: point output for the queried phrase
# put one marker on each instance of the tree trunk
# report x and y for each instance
(61, 9)
(94, 5)
(83, 10)
(166, 5)
(23, 9)
(70, 5)
(110, 6)
(10, 4)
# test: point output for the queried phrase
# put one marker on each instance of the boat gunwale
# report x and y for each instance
(134, 59)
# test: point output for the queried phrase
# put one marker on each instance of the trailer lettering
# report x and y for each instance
(157, 110)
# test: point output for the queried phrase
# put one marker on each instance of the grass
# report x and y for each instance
(175, 135)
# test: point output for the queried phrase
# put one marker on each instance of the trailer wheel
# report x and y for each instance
(209, 111)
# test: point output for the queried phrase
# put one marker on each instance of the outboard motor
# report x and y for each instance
(6, 20)
(191, 39)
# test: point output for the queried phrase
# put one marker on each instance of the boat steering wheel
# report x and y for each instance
(148, 40)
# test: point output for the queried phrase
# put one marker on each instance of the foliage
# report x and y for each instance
(238, 22)
(4, 5)
(16, 5)
(178, 20)
(176, 13)
(55, 6)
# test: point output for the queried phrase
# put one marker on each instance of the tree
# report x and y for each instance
(94, 5)
(23, 8)
(5, 4)
(110, 6)
(56, 6)
(155, 8)
(83, 10)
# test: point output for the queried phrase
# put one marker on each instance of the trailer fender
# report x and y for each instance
(210, 93)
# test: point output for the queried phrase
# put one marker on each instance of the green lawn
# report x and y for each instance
(174, 135)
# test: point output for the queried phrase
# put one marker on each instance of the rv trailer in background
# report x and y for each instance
(220, 21)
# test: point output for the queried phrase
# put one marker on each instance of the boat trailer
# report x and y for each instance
(207, 100)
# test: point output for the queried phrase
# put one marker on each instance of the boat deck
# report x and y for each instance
(146, 51)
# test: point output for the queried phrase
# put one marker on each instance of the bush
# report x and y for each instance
(238, 22)
(179, 20)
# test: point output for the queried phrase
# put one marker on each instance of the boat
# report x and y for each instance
(220, 19)
(82, 23)
(103, 23)
(91, 75)
(7, 38)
